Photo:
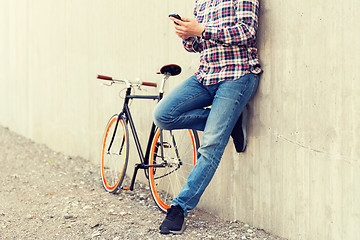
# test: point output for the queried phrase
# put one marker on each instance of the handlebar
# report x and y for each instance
(103, 77)
(150, 84)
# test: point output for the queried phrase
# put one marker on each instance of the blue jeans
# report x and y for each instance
(186, 107)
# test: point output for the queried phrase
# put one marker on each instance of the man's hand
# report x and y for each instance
(187, 27)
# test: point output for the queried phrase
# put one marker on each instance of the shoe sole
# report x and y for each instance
(239, 134)
(243, 126)
(165, 230)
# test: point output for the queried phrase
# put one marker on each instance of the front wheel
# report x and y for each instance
(114, 153)
(175, 154)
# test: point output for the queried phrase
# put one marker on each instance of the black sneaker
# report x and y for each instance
(239, 132)
(174, 221)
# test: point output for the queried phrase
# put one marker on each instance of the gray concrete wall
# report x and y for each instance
(300, 175)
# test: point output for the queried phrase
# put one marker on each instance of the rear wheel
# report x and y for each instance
(177, 154)
(114, 154)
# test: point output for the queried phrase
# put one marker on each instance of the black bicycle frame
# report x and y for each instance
(128, 120)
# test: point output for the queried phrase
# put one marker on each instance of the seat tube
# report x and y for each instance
(162, 144)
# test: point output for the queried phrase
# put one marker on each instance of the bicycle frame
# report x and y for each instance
(144, 159)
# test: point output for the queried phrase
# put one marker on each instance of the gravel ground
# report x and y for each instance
(48, 195)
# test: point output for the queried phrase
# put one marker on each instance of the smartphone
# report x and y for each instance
(177, 16)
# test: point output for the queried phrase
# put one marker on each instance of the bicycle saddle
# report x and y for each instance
(170, 69)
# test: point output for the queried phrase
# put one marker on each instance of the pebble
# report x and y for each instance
(94, 225)
(29, 216)
(123, 213)
(112, 212)
(69, 217)
(96, 234)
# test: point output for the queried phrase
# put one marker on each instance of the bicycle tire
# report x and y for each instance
(166, 182)
(114, 160)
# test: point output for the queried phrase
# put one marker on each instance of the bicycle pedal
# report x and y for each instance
(125, 188)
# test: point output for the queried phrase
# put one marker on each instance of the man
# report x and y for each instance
(224, 33)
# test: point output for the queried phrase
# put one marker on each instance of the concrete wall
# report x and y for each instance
(300, 175)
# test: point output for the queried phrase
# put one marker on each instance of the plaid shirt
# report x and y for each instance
(227, 47)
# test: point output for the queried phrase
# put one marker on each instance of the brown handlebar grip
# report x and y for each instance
(104, 77)
(150, 84)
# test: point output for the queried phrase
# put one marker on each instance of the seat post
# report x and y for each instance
(167, 71)
(162, 86)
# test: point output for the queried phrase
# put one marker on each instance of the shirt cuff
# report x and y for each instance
(209, 33)
(188, 42)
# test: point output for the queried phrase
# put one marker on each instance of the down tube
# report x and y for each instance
(133, 130)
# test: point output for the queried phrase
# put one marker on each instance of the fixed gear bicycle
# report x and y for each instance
(169, 156)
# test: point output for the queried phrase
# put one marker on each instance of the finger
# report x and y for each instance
(173, 19)
(176, 21)
(185, 19)
(179, 28)
(179, 32)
